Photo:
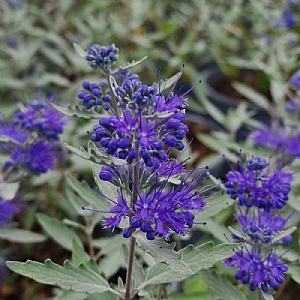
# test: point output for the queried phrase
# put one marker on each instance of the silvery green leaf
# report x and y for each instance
(81, 152)
(111, 250)
(89, 196)
(102, 158)
(217, 229)
(79, 256)
(21, 236)
(7, 139)
(206, 255)
(58, 231)
(132, 63)
(158, 116)
(165, 84)
(257, 98)
(294, 271)
(105, 187)
(68, 277)
(267, 296)
(69, 295)
(79, 50)
(281, 234)
(78, 110)
(8, 190)
(239, 233)
(164, 252)
(221, 286)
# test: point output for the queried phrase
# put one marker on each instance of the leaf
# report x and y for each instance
(87, 194)
(294, 271)
(133, 63)
(164, 252)
(165, 84)
(206, 255)
(79, 50)
(257, 98)
(21, 236)
(281, 234)
(61, 233)
(102, 158)
(267, 296)
(78, 110)
(8, 190)
(105, 187)
(221, 286)
(70, 295)
(80, 256)
(69, 277)
(202, 257)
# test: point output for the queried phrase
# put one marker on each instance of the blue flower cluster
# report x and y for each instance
(32, 137)
(260, 197)
(142, 128)
(100, 57)
(161, 211)
(148, 123)
(257, 271)
(92, 95)
(7, 208)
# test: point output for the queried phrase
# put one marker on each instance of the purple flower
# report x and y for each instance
(271, 138)
(7, 208)
(259, 228)
(92, 95)
(287, 19)
(295, 80)
(100, 57)
(41, 118)
(256, 270)
(161, 212)
(37, 158)
(279, 139)
(254, 187)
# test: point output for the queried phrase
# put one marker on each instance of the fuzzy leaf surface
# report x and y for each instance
(68, 277)
(60, 232)
(78, 110)
(164, 252)
(21, 236)
(87, 194)
(221, 286)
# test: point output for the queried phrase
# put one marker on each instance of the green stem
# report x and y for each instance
(114, 100)
(260, 294)
(130, 268)
(135, 186)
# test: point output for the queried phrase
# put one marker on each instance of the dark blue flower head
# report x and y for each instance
(295, 80)
(100, 57)
(256, 270)
(287, 19)
(259, 228)
(254, 187)
(123, 75)
(92, 95)
(7, 208)
(160, 212)
(41, 118)
(37, 158)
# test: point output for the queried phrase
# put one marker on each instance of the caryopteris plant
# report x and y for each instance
(147, 197)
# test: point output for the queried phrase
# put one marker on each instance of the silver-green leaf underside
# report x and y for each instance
(68, 277)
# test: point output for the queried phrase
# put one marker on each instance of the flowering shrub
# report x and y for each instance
(136, 146)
